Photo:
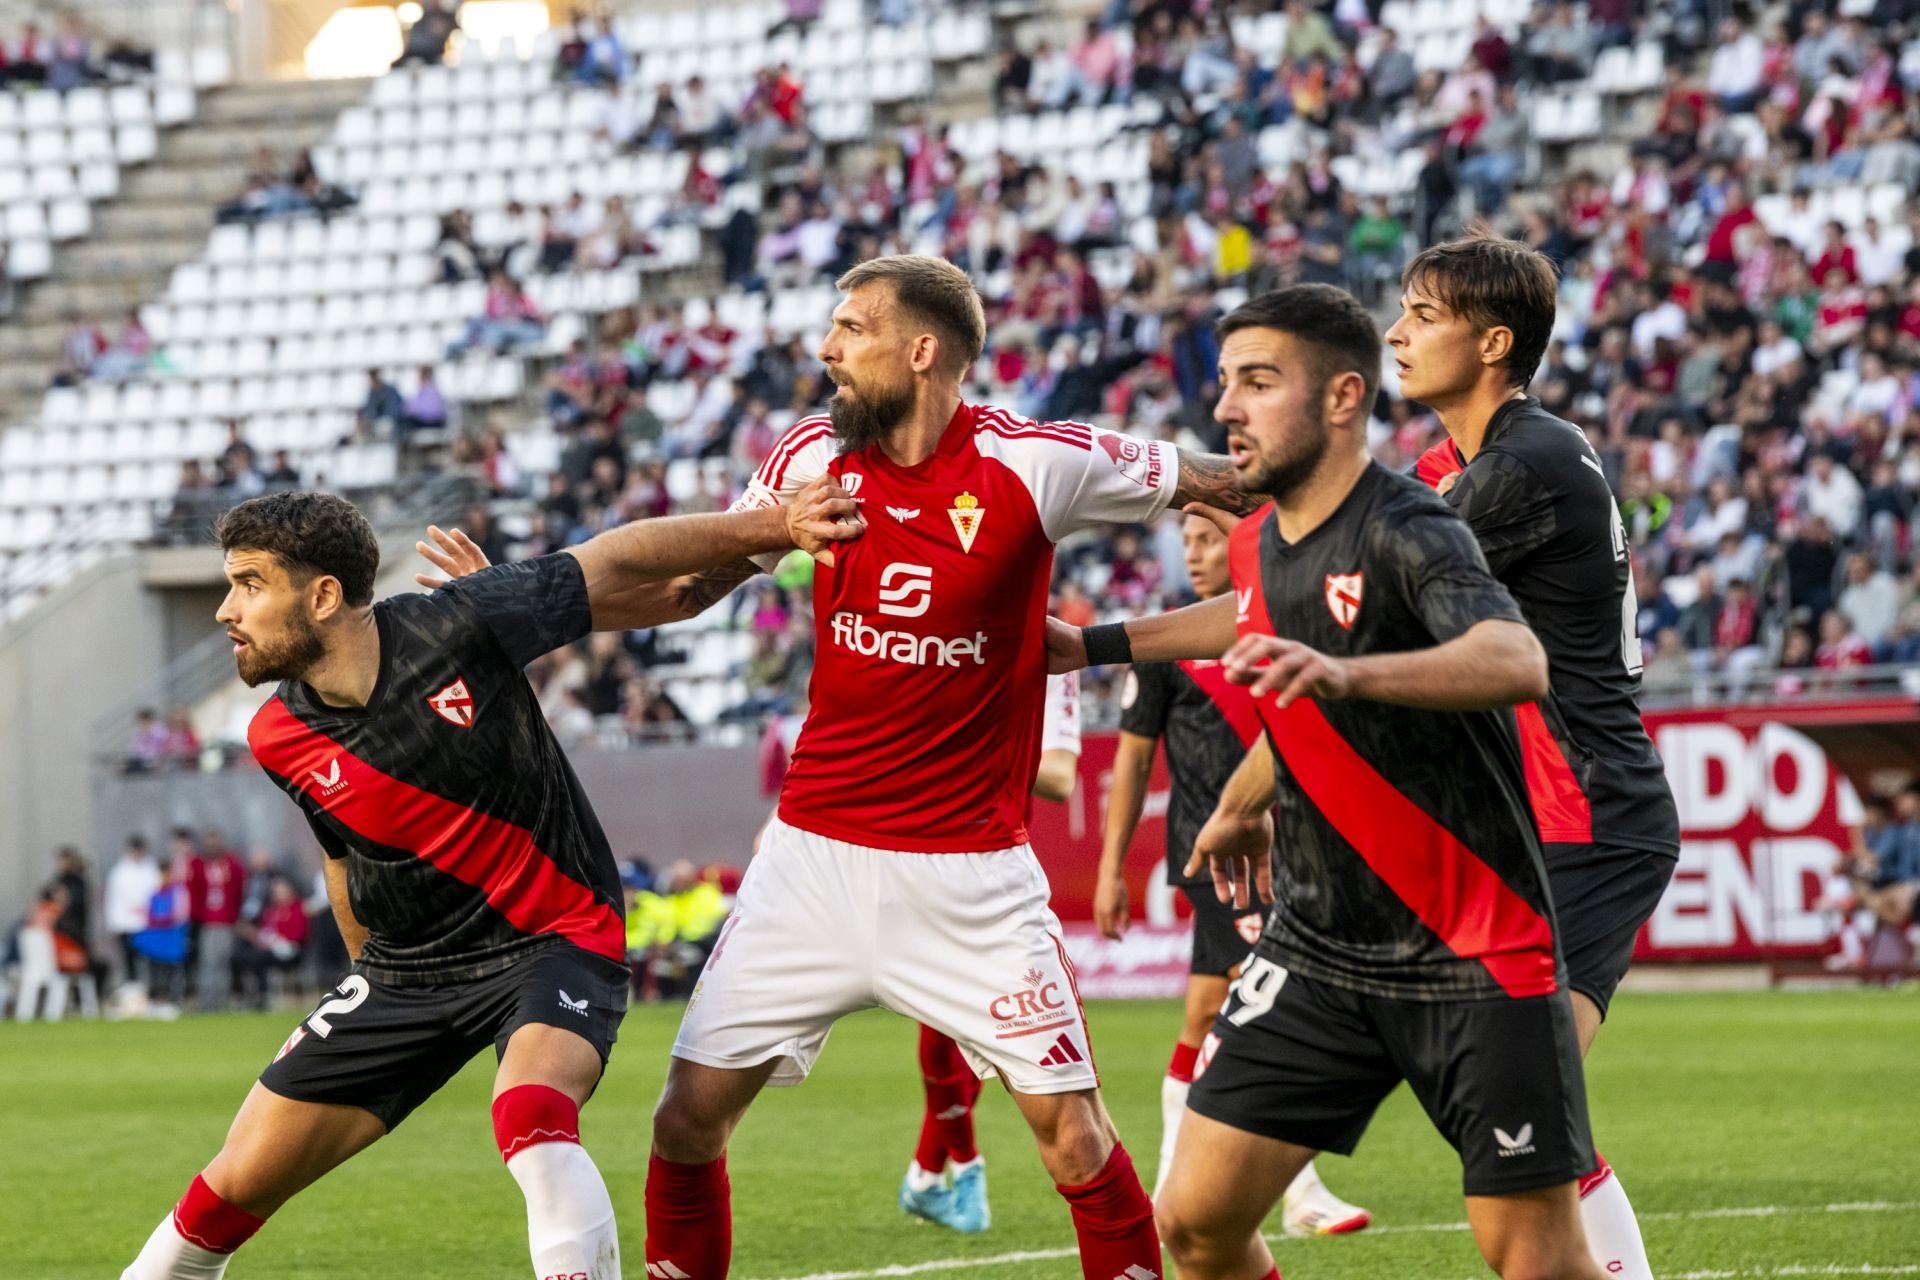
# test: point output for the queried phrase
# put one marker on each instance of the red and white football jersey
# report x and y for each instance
(930, 670)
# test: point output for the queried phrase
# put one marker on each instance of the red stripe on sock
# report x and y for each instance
(1114, 1222)
(689, 1218)
(1180, 1066)
(1593, 1181)
(203, 1218)
(529, 1114)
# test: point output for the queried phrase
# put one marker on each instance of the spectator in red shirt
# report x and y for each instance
(1841, 647)
(216, 881)
(1836, 255)
(1721, 241)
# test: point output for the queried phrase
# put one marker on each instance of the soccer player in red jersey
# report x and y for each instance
(471, 880)
(1413, 935)
(946, 1181)
(897, 872)
(1476, 315)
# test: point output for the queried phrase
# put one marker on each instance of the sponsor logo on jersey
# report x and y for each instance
(1517, 1144)
(906, 590)
(967, 513)
(454, 704)
(1134, 459)
(853, 631)
(1242, 604)
(571, 1005)
(904, 514)
(1343, 597)
(851, 482)
(330, 781)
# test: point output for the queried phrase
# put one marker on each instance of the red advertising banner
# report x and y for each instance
(1763, 816)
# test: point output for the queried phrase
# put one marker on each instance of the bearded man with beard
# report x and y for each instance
(470, 878)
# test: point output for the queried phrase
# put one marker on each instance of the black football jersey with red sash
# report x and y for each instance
(468, 839)
(1208, 725)
(1408, 862)
(1539, 505)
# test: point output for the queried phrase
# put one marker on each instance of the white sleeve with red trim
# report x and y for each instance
(798, 458)
(1079, 475)
(1060, 730)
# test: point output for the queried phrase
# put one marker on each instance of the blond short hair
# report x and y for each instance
(934, 293)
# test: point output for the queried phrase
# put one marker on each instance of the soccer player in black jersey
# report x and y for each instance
(1475, 318)
(469, 875)
(1412, 937)
(1208, 724)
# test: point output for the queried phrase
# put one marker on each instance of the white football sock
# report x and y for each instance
(169, 1257)
(1613, 1233)
(569, 1214)
(924, 1179)
(1173, 1105)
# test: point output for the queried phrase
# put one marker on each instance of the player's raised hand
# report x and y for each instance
(822, 514)
(1222, 520)
(1110, 905)
(453, 553)
(1237, 848)
(1066, 650)
(1285, 668)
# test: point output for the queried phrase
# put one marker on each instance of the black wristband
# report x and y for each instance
(1107, 644)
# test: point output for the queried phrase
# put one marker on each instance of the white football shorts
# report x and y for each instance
(964, 942)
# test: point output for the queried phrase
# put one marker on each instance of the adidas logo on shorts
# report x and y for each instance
(1063, 1054)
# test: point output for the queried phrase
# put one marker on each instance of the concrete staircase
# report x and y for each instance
(160, 219)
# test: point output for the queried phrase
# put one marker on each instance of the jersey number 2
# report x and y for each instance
(353, 991)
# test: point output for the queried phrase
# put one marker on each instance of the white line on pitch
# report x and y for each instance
(1746, 1211)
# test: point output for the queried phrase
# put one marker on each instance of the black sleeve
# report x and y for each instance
(1510, 509)
(1436, 565)
(1146, 698)
(532, 607)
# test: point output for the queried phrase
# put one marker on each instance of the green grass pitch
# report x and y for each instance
(1759, 1135)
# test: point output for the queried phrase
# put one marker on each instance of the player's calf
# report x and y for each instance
(1533, 1235)
(195, 1241)
(1112, 1217)
(570, 1228)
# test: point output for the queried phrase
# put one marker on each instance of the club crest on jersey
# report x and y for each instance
(967, 514)
(851, 482)
(454, 704)
(1343, 597)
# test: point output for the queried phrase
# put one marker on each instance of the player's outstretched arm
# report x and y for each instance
(1199, 631)
(1132, 767)
(1494, 663)
(1236, 845)
(1208, 479)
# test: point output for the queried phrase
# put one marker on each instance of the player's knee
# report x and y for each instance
(1194, 1245)
(684, 1135)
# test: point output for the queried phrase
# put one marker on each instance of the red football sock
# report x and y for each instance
(1114, 1221)
(203, 1218)
(946, 1128)
(1591, 1183)
(1273, 1274)
(1180, 1066)
(689, 1219)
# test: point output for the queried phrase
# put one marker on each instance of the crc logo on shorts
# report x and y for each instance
(906, 590)
(1514, 1144)
(1035, 1005)
(1134, 459)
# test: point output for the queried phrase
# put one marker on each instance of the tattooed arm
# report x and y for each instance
(1207, 478)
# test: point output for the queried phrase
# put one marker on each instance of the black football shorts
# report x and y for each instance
(1223, 935)
(387, 1049)
(1602, 894)
(1306, 1062)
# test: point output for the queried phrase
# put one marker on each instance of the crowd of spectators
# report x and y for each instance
(197, 924)
(274, 191)
(1874, 890)
(67, 57)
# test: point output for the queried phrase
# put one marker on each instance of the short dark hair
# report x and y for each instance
(1328, 321)
(932, 292)
(308, 533)
(1493, 282)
